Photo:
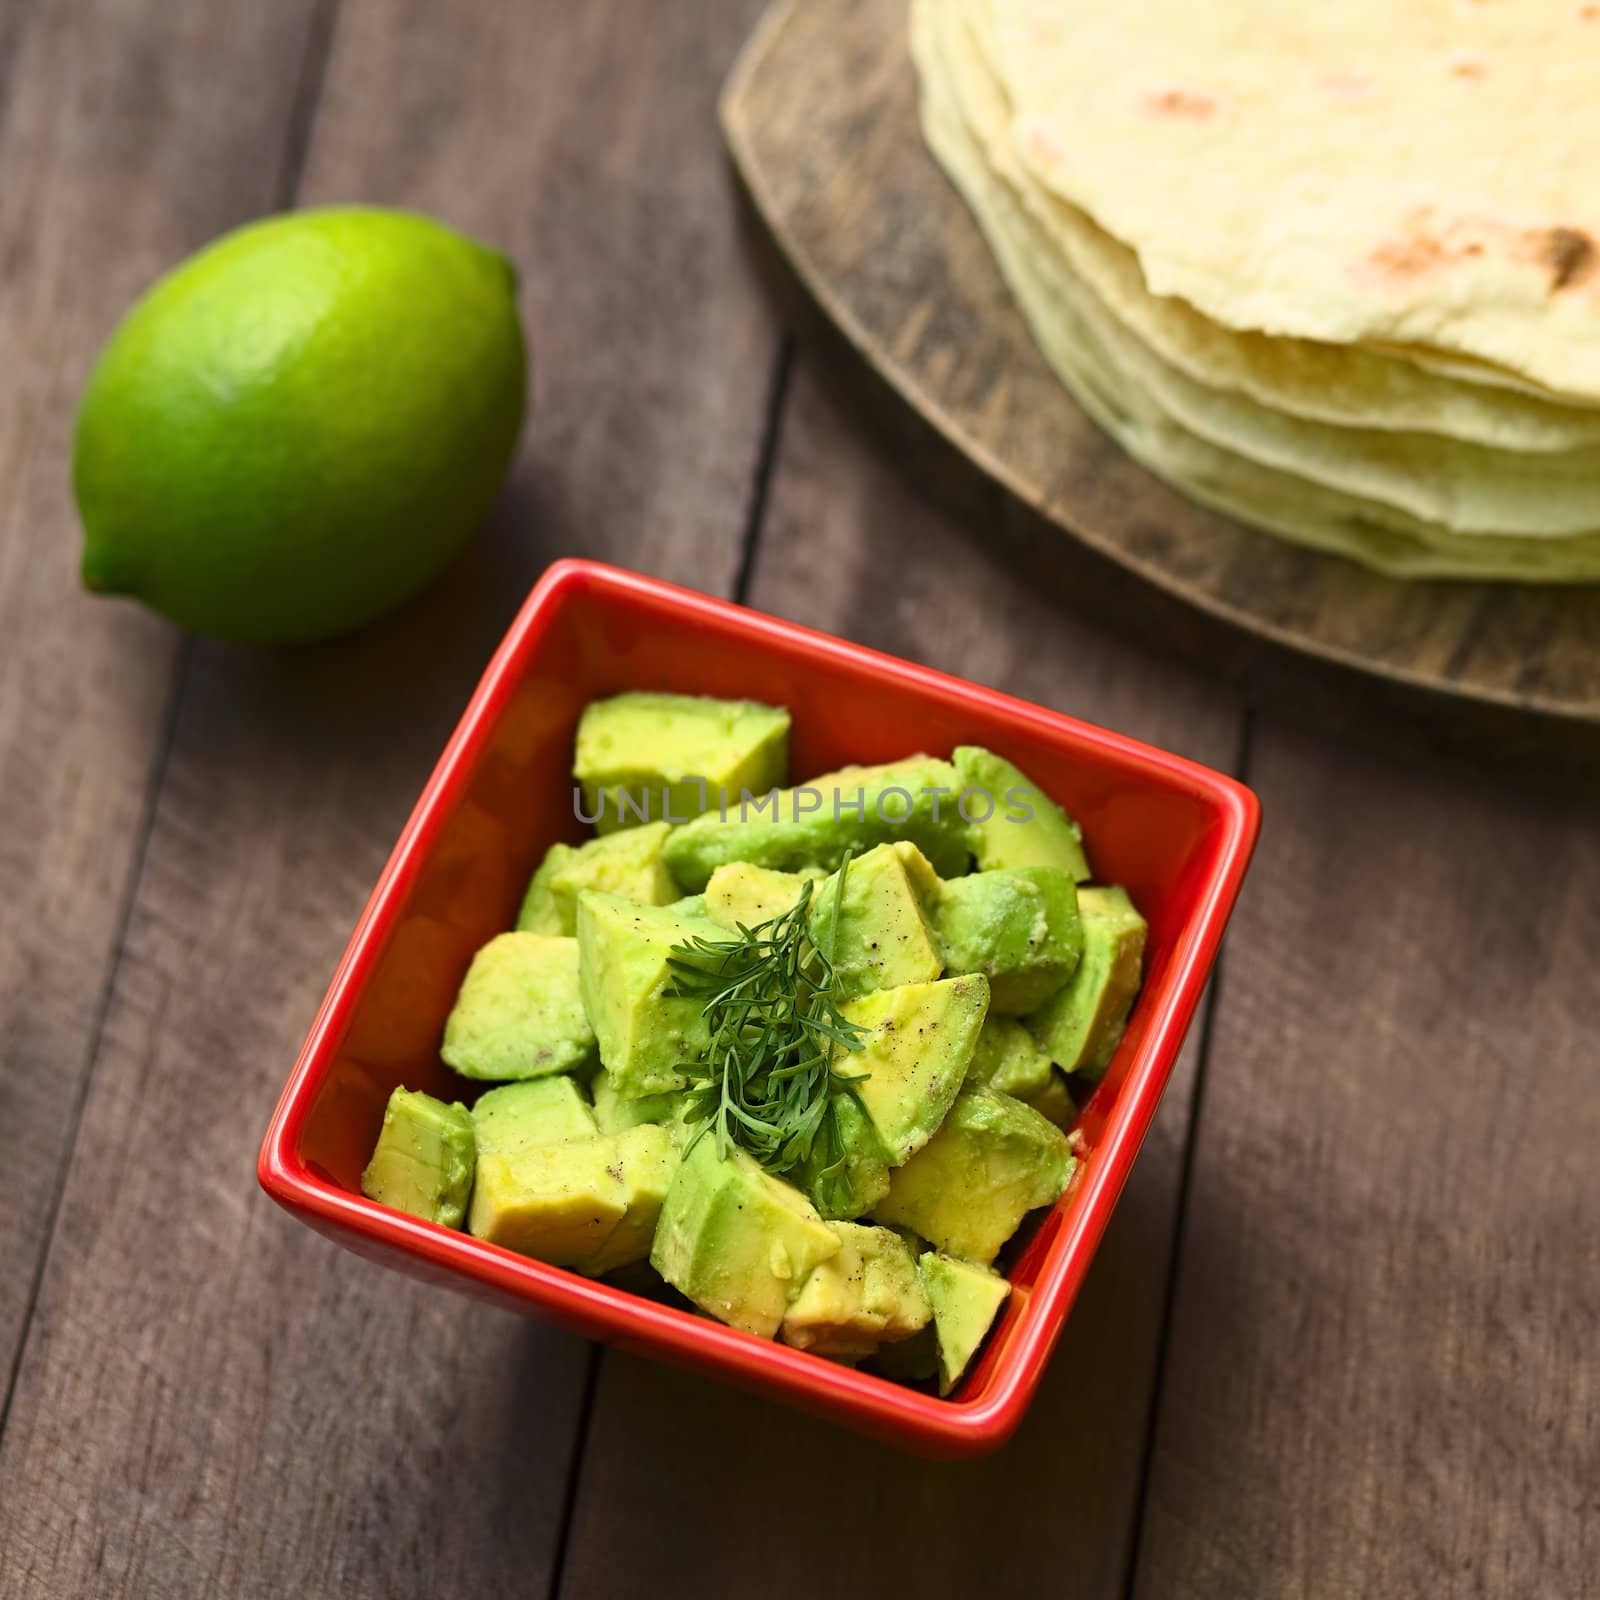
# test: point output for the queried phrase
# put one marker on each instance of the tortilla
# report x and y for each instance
(1420, 174)
(1123, 383)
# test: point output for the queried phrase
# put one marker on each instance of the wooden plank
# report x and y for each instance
(718, 1487)
(213, 1399)
(102, 109)
(1382, 1377)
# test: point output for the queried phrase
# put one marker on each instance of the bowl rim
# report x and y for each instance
(911, 1417)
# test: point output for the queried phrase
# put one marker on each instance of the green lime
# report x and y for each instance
(298, 427)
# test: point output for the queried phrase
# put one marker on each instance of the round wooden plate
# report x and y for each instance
(820, 115)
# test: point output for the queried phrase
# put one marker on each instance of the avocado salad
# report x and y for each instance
(811, 1053)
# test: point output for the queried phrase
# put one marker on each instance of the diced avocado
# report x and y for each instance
(965, 1300)
(556, 1202)
(424, 1158)
(1082, 1026)
(644, 1033)
(691, 905)
(741, 893)
(992, 1162)
(614, 1114)
(882, 937)
(539, 912)
(816, 822)
(1018, 926)
(626, 864)
(919, 871)
(667, 757)
(1009, 1060)
(519, 1013)
(867, 1295)
(919, 1043)
(539, 1111)
(849, 1182)
(1054, 1101)
(737, 1241)
(648, 1158)
(563, 1202)
(1025, 828)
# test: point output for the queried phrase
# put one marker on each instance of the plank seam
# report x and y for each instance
(766, 463)
(143, 831)
(307, 98)
(569, 1497)
(1191, 1143)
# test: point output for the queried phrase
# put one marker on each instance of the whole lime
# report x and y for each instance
(297, 428)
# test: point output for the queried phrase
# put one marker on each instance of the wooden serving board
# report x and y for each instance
(820, 115)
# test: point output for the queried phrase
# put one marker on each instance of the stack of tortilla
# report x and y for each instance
(1331, 269)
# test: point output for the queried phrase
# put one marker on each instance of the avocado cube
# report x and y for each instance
(424, 1158)
(1082, 1026)
(737, 1241)
(691, 905)
(616, 1115)
(964, 1300)
(1018, 926)
(666, 757)
(850, 1180)
(540, 912)
(627, 864)
(562, 1202)
(556, 1202)
(1015, 823)
(867, 1295)
(742, 894)
(992, 1162)
(519, 1013)
(920, 873)
(1053, 1101)
(1009, 1060)
(880, 937)
(919, 1043)
(813, 824)
(645, 1032)
(536, 1111)
(647, 1158)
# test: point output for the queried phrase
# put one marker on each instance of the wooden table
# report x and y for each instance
(1342, 1337)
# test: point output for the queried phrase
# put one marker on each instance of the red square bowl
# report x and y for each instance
(1178, 835)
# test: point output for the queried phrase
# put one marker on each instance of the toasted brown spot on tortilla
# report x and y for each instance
(1588, 13)
(1468, 67)
(1570, 255)
(1422, 243)
(1191, 103)
(1408, 255)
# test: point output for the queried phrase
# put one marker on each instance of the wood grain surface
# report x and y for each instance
(213, 1400)
(1383, 1375)
(821, 119)
(101, 112)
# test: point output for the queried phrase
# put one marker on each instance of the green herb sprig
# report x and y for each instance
(765, 1082)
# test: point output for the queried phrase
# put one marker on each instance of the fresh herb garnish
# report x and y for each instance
(766, 1082)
